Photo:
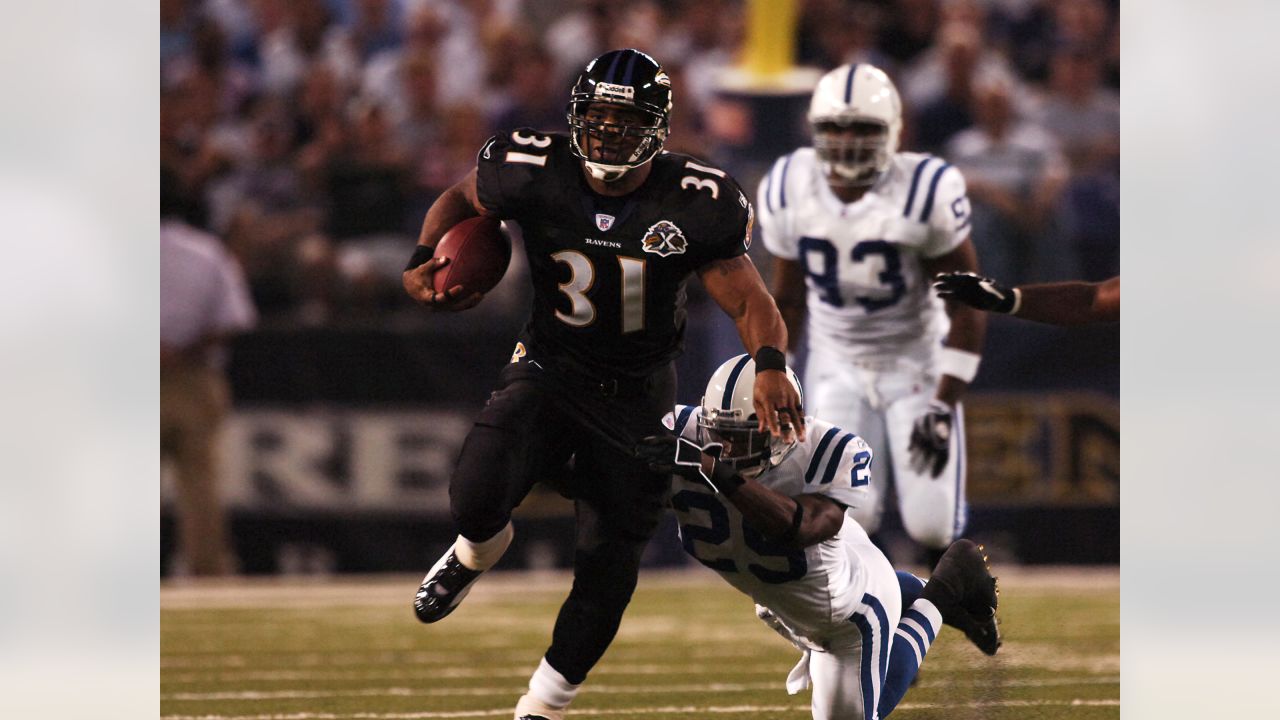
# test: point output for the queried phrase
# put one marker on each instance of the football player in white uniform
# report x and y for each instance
(770, 516)
(863, 227)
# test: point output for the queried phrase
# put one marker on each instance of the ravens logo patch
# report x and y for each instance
(663, 238)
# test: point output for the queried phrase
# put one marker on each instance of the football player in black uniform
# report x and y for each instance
(613, 228)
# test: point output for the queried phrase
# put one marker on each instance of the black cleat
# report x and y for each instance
(966, 594)
(443, 588)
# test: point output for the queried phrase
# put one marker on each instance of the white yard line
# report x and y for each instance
(397, 590)
(688, 709)
(602, 689)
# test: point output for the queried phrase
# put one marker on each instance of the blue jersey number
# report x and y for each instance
(827, 278)
(717, 533)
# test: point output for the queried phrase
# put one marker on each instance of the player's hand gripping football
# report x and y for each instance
(671, 455)
(931, 440)
(976, 291)
(418, 283)
(778, 405)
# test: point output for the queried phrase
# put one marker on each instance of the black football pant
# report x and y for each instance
(535, 425)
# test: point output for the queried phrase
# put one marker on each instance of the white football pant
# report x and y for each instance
(880, 401)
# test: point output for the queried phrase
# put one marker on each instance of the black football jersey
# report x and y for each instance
(609, 273)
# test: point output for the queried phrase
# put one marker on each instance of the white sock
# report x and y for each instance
(548, 686)
(486, 554)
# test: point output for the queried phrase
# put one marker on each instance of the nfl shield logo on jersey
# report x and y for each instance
(604, 222)
(664, 238)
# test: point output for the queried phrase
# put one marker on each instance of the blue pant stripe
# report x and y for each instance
(869, 700)
(883, 618)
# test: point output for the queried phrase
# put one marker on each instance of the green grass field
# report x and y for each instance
(689, 646)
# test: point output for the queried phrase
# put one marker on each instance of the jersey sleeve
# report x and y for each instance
(948, 218)
(771, 196)
(839, 465)
(735, 220)
(508, 168)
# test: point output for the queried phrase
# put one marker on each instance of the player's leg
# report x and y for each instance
(913, 637)
(834, 392)
(618, 503)
(850, 677)
(511, 440)
(196, 404)
(933, 509)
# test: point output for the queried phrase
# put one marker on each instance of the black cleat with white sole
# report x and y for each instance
(966, 594)
(444, 588)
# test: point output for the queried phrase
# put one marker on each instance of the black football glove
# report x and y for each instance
(931, 440)
(672, 455)
(976, 291)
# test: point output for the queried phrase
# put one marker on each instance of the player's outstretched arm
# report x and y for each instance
(1061, 303)
(739, 290)
(797, 522)
(454, 205)
(789, 293)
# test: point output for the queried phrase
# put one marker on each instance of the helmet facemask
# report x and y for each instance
(610, 148)
(853, 152)
(749, 451)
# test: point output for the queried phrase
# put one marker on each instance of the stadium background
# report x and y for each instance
(312, 135)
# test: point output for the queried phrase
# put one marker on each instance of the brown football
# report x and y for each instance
(478, 251)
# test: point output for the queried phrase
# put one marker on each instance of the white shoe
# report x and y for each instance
(529, 708)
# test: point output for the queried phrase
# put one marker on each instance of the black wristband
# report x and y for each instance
(770, 358)
(726, 480)
(421, 254)
(796, 518)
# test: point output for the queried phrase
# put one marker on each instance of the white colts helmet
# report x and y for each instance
(856, 94)
(729, 418)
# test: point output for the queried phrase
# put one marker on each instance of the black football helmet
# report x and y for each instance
(627, 79)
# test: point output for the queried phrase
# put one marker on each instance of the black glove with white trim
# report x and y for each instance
(931, 439)
(672, 455)
(976, 291)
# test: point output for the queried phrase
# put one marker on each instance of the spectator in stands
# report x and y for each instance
(264, 211)
(532, 94)
(1079, 109)
(1084, 114)
(834, 32)
(924, 81)
(960, 45)
(910, 30)
(203, 302)
(376, 29)
(1015, 175)
(295, 34)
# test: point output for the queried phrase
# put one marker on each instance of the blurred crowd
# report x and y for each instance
(312, 135)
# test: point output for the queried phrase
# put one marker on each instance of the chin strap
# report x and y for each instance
(606, 173)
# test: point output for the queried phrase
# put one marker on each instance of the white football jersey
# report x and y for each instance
(868, 297)
(811, 589)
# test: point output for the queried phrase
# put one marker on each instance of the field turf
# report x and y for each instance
(689, 646)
